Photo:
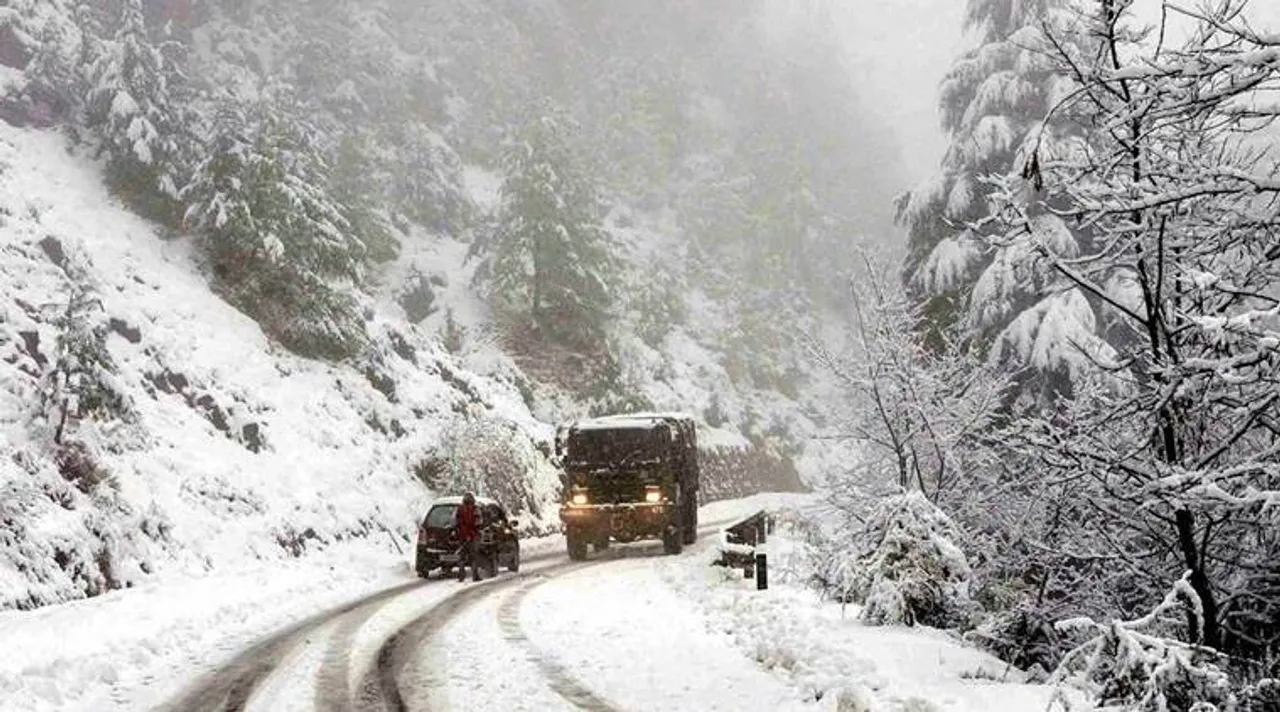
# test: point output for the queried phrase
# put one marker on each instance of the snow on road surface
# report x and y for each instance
(136, 648)
(633, 640)
(131, 649)
(630, 630)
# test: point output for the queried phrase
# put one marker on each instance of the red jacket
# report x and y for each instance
(467, 525)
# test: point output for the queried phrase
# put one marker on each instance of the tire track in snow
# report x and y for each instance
(380, 688)
(229, 687)
(376, 692)
(558, 678)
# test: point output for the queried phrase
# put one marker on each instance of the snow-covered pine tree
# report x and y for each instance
(995, 97)
(358, 187)
(43, 39)
(426, 183)
(136, 112)
(550, 255)
(281, 247)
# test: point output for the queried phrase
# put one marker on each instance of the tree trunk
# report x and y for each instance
(1211, 635)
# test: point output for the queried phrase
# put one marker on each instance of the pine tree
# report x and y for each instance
(358, 187)
(282, 248)
(551, 256)
(45, 41)
(136, 112)
(994, 99)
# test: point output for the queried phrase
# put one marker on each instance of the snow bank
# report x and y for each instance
(134, 649)
(825, 650)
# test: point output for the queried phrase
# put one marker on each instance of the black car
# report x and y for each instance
(438, 546)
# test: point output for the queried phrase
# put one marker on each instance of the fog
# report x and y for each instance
(900, 51)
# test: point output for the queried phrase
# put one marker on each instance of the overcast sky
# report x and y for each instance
(902, 48)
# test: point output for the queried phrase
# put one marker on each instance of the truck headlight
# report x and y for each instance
(580, 498)
(652, 495)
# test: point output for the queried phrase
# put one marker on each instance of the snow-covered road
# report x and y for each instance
(430, 645)
(630, 629)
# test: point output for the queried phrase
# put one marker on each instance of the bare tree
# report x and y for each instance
(1170, 170)
(923, 415)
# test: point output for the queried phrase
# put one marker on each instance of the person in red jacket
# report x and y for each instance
(468, 532)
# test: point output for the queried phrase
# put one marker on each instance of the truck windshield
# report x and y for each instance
(615, 446)
(441, 516)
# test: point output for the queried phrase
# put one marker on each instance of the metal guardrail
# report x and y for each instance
(738, 543)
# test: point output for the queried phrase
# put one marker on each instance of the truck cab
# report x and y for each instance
(629, 477)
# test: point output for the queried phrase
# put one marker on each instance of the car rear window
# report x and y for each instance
(441, 516)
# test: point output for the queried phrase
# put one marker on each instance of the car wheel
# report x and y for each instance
(514, 565)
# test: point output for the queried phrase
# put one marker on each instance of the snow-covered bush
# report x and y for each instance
(830, 561)
(1135, 665)
(494, 458)
(911, 571)
(922, 416)
(1024, 636)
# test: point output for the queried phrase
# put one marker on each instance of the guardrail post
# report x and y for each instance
(762, 572)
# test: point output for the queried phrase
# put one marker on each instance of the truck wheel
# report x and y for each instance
(602, 543)
(691, 521)
(514, 565)
(577, 546)
(671, 541)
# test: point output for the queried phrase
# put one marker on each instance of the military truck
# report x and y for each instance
(629, 477)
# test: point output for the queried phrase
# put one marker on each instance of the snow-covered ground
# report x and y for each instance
(233, 450)
(135, 648)
(631, 629)
(132, 649)
(826, 653)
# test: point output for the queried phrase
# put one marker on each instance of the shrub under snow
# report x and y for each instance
(911, 570)
(1136, 665)
(495, 458)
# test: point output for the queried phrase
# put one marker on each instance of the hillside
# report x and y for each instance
(259, 286)
(225, 446)
(221, 447)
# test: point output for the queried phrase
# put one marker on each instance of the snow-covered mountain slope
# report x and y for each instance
(202, 445)
(229, 448)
